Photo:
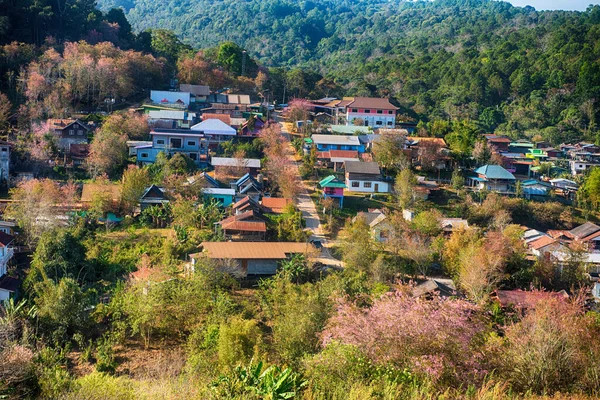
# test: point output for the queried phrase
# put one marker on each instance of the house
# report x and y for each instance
(7, 227)
(172, 141)
(543, 245)
(246, 204)
(424, 188)
(78, 153)
(226, 165)
(91, 191)
(170, 119)
(247, 185)
(564, 184)
(450, 225)
(249, 226)
(375, 112)
(337, 142)
(68, 132)
(4, 160)
(153, 196)
(233, 110)
(199, 93)
(276, 205)
(8, 285)
(498, 143)
(165, 97)
(133, 145)
(428, 152)
(205, 179)
(380, 227)
(244, 259)
(334, 188)
(223, 196)
(534, 188)
(578, 167)
(365, 177)
(336, 158)
(215, 130)
(493, 178)
(435, 287)
(242, 99)
(252, 126)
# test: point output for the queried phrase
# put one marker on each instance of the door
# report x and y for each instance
(377, 188)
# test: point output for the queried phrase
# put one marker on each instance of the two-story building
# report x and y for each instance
(337, 142)
(8, 285)
(68, 131)
(172, 141)
(372, 111)
(365, 177)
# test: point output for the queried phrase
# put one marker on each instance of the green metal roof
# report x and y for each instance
(332, 181)
(351, 130)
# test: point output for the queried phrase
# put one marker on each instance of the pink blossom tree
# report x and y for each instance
(434, 338)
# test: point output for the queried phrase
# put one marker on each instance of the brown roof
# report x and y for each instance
(585, 230)
(372, 102)
(90, 189)
(360, 167)
(226, 118)
(5, 239)
(243, 217)
(276, 204)
(542, 242)
(343, 153)
(245, 226)
(436, 140)
(252, 250)
(524, 299)
(556, 233)
(147, 274)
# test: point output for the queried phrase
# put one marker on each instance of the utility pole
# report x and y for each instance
(243, 62)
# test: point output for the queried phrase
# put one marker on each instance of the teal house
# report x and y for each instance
(223, 196)
(334, 188)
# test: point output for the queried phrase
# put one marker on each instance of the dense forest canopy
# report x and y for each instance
(516, 69)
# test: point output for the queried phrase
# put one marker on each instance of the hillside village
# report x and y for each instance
(182, 221)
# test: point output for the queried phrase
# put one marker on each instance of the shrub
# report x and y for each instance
(239, 341)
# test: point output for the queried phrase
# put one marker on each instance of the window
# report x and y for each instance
(5, 149)
(80, 132)
(390, 123)
(390, 112)
(193, 156)
(379, 111)
(144, 155)
(366, 123)
(384, 234)
(354, 110)
(176, 143)
(160, 141)
(379, 122)
(191, 142)
(367, 111)
(71, 132)
(367, 185)
(355, 184)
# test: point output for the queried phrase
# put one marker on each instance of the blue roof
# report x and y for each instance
(495, 172)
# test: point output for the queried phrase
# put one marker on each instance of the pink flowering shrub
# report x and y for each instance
(434, 338)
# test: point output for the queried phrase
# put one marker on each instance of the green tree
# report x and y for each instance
(134, 183)
(404, 188)
(62, 307)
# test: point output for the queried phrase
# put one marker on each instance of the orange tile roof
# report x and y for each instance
(436, 140)
(525, 299)
(245, 226)
(276, 204)
(372, 102)
(542, 242)
(252, 250)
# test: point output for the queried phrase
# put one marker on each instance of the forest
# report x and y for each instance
(517, 70)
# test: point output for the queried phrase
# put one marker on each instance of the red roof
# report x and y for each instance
(226, 118)
(372, 102)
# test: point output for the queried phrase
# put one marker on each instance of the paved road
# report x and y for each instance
(310, 214)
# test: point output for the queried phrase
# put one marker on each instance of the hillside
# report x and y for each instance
(516, 68)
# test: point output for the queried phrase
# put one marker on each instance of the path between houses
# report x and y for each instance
(309, 212)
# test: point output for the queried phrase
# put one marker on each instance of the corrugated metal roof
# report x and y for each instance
(359, 167)
(336, 139)
(494, 172)
(372, 102)
(252, 250)
(235, 162)
(584, 230)
(245, 226)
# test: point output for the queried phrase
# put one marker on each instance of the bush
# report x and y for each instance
(99, 386)
(239, 341)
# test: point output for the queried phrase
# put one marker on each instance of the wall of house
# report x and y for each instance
(4, 163)
(225, 200)
(372, 117)
(262, 267)
(327, 147)
(191, 146)
(367, 186)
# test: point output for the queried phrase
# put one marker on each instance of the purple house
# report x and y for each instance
(334, 188)
(252, 126)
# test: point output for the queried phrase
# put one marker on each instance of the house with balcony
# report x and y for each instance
(493, 178)
(337, 142)
(8, 285)
(172, 141)
(374, 112)
(68, 131)
(334, 188)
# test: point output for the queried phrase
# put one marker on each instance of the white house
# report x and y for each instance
(8, 285)
(365, 177)
(215, 129)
